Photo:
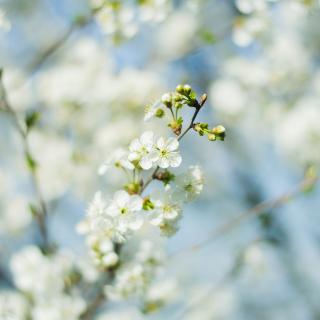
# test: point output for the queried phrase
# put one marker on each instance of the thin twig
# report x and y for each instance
(197, 107)
(257, 210)
(41, 216)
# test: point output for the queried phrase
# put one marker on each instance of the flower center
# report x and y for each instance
(124, 210)
(163, 153)
(167, 209)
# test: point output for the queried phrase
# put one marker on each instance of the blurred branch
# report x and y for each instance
(40, 213)
(98, 296)
(213, 289)
(56, 45)
(306, 184)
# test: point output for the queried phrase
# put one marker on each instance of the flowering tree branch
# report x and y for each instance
(109, 225)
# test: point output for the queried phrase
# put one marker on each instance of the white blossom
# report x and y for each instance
(150, 110)
(61, 307)
(140, 150)
(188, 185)
(102, 250)
(13, 306)
(166, 208)
(166, 153)
(118, 159)
(125, 209)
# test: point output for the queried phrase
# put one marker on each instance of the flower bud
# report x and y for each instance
(167, 100)
(211, 137)
(187, 89)
(180, 89)
(219, 129)
(159, 113)
(147, 204)
(203, 99)
(219, 132)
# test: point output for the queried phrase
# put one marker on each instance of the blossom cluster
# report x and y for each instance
(52, 283)
(111, 221)
(122, 19)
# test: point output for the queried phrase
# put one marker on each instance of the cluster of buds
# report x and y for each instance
(102, 252)
(174, 101)
(217, 133)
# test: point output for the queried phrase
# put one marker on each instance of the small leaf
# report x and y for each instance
(31, 163)
(207, 36)
(32, 118)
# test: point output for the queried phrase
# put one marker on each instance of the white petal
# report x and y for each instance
(163, 163)
(135, 145)
(110, 259)
(156, 221)
(146, 163)
(121, 198)
(160, 143)
(135, 203)
(103, 169)
(136, 223)
(171, 215)
(127, 164)
(113, 210)
(147, 138)
(175, 159)
(172, 144)
(133, 156)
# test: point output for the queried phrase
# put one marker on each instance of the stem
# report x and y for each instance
(41, 216)
(191, 122)
(198, 107)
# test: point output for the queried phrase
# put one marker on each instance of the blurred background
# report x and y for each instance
(89, 72)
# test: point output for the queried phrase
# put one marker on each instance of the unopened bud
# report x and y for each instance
(187, 89)
(203, 99)
(219, 129)
(166, 99)
(180, 89)
(211, 137)
(159, 113)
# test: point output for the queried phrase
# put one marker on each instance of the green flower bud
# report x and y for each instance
(167, 100)
(219, 132)
(147, 204)
(212, 137)
(159, 113)
(180, 89)
(132, 188)
(187, 89)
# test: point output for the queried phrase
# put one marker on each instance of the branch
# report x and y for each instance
(57, 44)
(263, 207)
(197, 106)
(41, 216)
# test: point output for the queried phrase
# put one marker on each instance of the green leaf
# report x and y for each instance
(32, 118)
(31, 163)
(207, 36)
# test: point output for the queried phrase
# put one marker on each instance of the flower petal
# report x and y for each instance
(175, 159)
(172, 144)
(147, 138)
(135, 145)
(121, 198)
(135, 203)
